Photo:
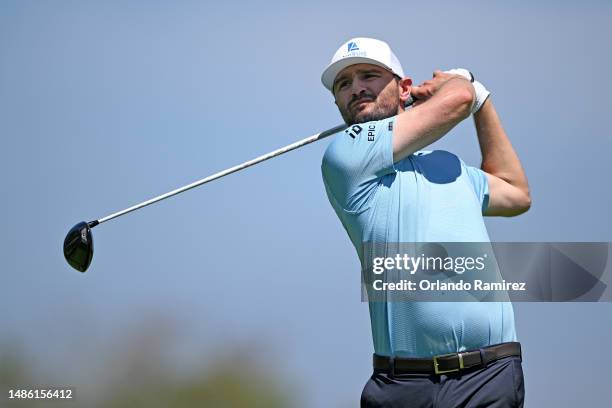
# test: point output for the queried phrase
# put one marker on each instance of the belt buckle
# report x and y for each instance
(438, 371)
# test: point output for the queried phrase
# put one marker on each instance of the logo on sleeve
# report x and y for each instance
(352, 46)
(371, 132)
(353, 131)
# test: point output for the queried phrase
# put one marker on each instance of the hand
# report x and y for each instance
(481, 93)
(427, 89)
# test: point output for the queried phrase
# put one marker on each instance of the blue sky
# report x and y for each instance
(106, 104)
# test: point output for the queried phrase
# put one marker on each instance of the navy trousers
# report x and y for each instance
(499, 385)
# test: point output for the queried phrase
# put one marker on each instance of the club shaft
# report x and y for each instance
(223, 173)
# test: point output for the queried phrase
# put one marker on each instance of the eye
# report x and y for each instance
(341, 84)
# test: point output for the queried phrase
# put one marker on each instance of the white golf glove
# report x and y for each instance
(481, 92)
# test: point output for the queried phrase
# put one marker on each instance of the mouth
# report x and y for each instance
(360, 101)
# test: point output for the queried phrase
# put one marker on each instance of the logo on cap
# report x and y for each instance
(352, 46)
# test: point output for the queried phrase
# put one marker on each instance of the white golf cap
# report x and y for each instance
(361, 51)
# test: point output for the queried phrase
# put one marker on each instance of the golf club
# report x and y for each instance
(78, 244)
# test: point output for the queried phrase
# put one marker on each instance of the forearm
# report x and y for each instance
(433, 117)
(498, 155)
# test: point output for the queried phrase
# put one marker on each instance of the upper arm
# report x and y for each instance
(424, 124)
(505, 199)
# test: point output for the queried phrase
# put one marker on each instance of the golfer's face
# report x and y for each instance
(366, 92)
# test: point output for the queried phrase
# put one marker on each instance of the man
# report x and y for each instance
(384, 189)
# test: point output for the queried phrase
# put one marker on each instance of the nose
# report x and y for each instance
(357, 87)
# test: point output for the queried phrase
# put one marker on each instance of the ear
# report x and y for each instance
(405, 86)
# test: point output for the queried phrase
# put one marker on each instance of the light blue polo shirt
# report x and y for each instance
(426, 197)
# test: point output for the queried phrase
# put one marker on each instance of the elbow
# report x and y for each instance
(522, 205)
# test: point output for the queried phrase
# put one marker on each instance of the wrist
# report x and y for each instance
(481, 93)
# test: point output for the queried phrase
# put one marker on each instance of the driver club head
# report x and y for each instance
(78, 246)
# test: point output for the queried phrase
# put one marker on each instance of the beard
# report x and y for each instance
(383, 106)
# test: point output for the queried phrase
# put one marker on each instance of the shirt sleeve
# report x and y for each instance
(480, 183)
(356, 160)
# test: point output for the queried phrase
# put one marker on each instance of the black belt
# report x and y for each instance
(447, 363)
